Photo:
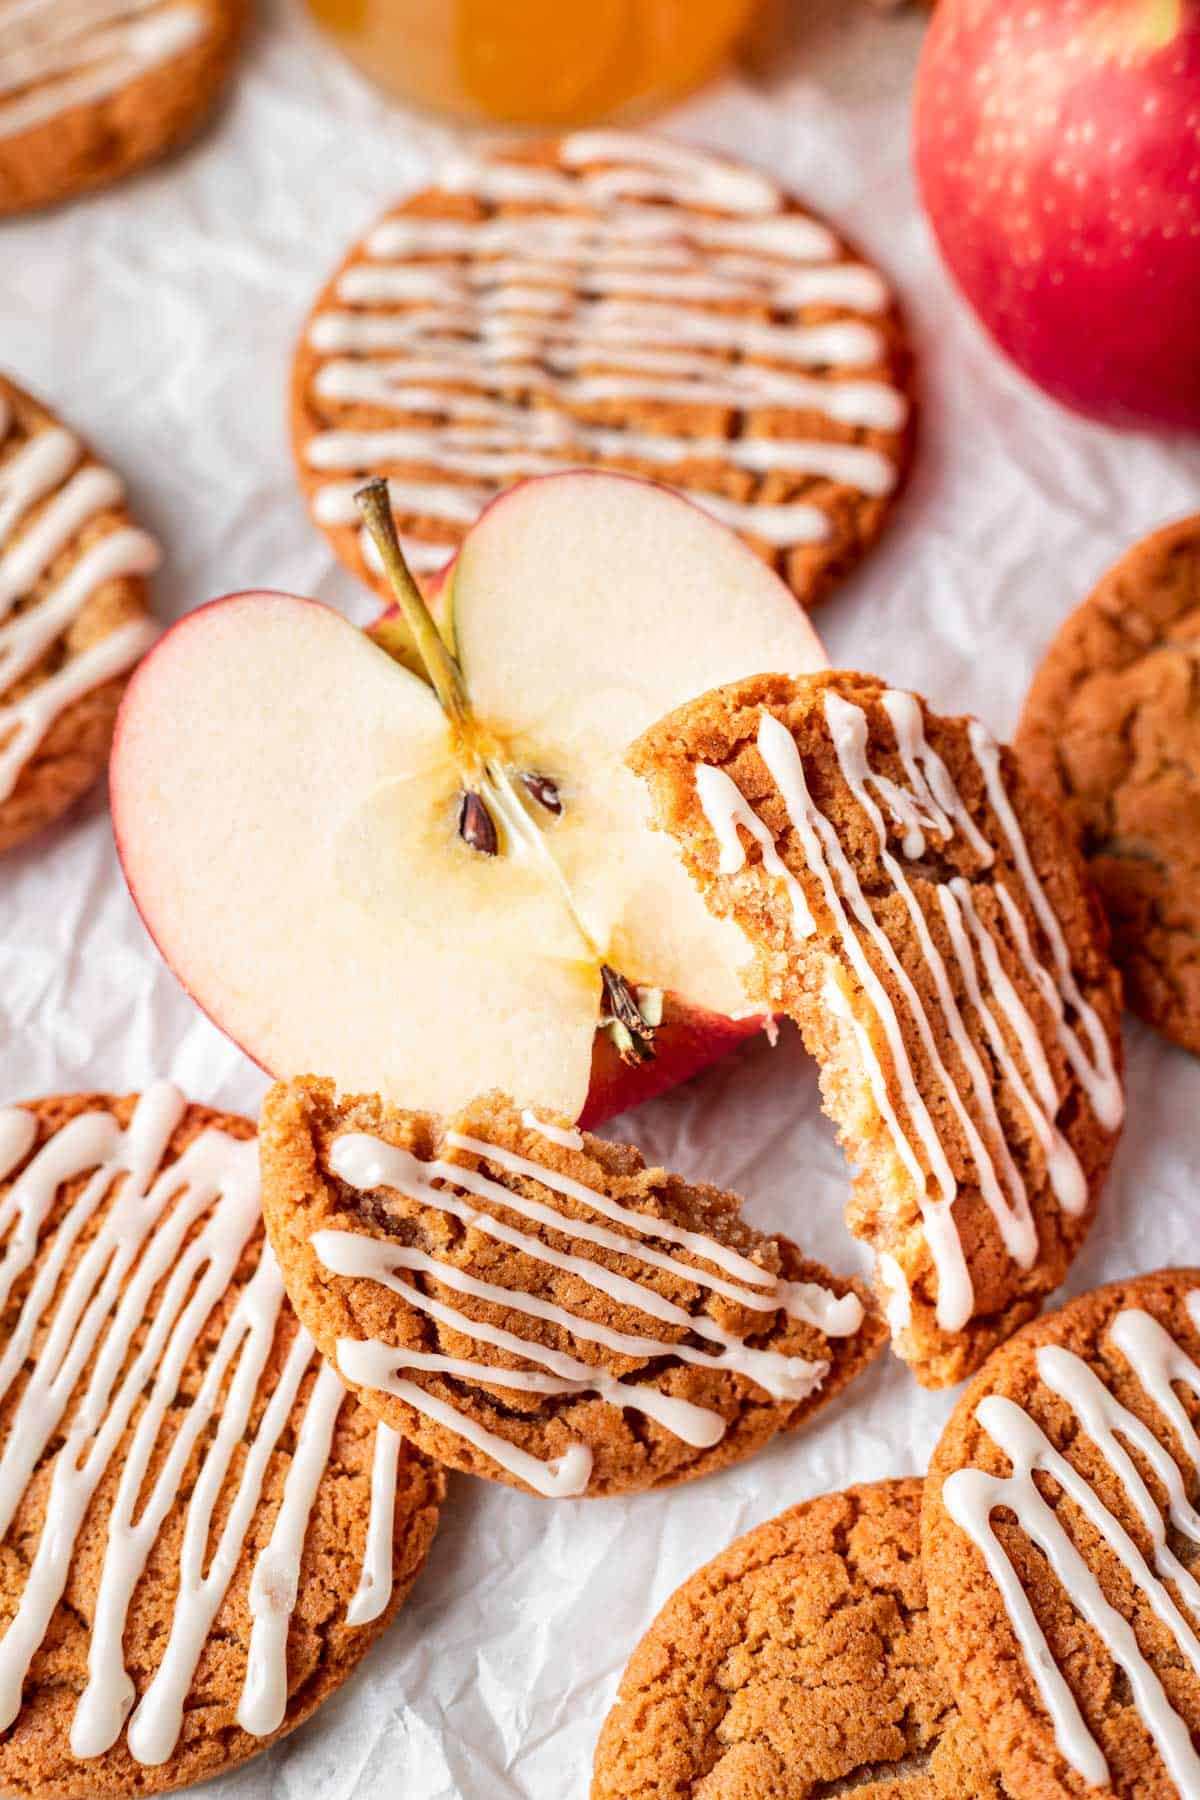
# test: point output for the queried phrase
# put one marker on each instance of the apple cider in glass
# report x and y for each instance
(535, 62)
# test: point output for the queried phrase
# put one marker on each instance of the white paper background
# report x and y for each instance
(159, 318)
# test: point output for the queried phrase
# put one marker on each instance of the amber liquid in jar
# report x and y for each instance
(535, 62)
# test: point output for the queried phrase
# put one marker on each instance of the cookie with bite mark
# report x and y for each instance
(920, 912)
(534, 1305)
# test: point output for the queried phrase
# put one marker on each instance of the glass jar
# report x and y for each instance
(551, 63)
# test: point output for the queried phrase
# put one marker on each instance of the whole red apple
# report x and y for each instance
(1058, 152)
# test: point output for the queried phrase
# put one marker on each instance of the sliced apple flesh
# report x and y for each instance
(287, 800)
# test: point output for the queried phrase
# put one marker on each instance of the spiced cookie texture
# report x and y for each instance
(1112, 727)
(92, 89)
(73, 618)
(798, 1664)
(921, 914)
(201, 1532)
(532, 1304)
(1061, 1539)
(615, 301)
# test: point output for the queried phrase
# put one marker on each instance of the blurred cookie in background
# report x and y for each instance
(92, 89)
(608, 300)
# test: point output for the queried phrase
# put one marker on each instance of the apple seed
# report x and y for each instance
(631, 1034)
(476, 826)
(544, 791)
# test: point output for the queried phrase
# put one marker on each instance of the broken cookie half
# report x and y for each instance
(921, 913)
(535, 1305)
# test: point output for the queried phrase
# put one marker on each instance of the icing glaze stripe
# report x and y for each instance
(374, 1589)
(1094, 1063)
(972, 1495)
(604, 295)
(931, 805)
(366, 1162)
(840, 887)
(179, 1233)
(477, 452)
(566, 1137)
(44, 472)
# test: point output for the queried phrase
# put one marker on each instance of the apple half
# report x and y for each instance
(293, 811)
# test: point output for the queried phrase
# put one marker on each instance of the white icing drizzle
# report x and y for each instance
(726, 811)
(568, 1138)
(604, 295)
(367, 1162)
(930, 805)
(45, 469)
(183, 1230)
(971, 1496)
(18, 1129)
(375, 1583)
(898, 1308)
(477, 450)
(1094, 1065)
(56, 54)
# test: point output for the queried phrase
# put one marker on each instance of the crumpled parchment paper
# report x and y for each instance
(159, 318)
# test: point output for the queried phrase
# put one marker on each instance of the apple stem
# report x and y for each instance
(375, 505)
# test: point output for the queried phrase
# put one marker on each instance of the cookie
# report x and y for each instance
(617, 301)
(799, 1663)
(1111, 727)
(73, 617)
(92, 89)
(201, 1532)
(532, 1304)
(918, 911)
(1061, 1539)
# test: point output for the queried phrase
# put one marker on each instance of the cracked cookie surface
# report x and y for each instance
(201, 1532)
(534, 1305)
(1112, 726)
(1060, 1540)
(918, 910)
(797, 1665)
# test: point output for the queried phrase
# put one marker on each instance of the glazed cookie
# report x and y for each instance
(919, 912)
(1061, 1538)
(1112, 726)
(617, 301)
(797, 1664)
(92, 89)
(534, 1305)
(73, 617)
(200, 1531)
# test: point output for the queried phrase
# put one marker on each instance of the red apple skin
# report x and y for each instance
(689, 1040)
(1058, 154)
